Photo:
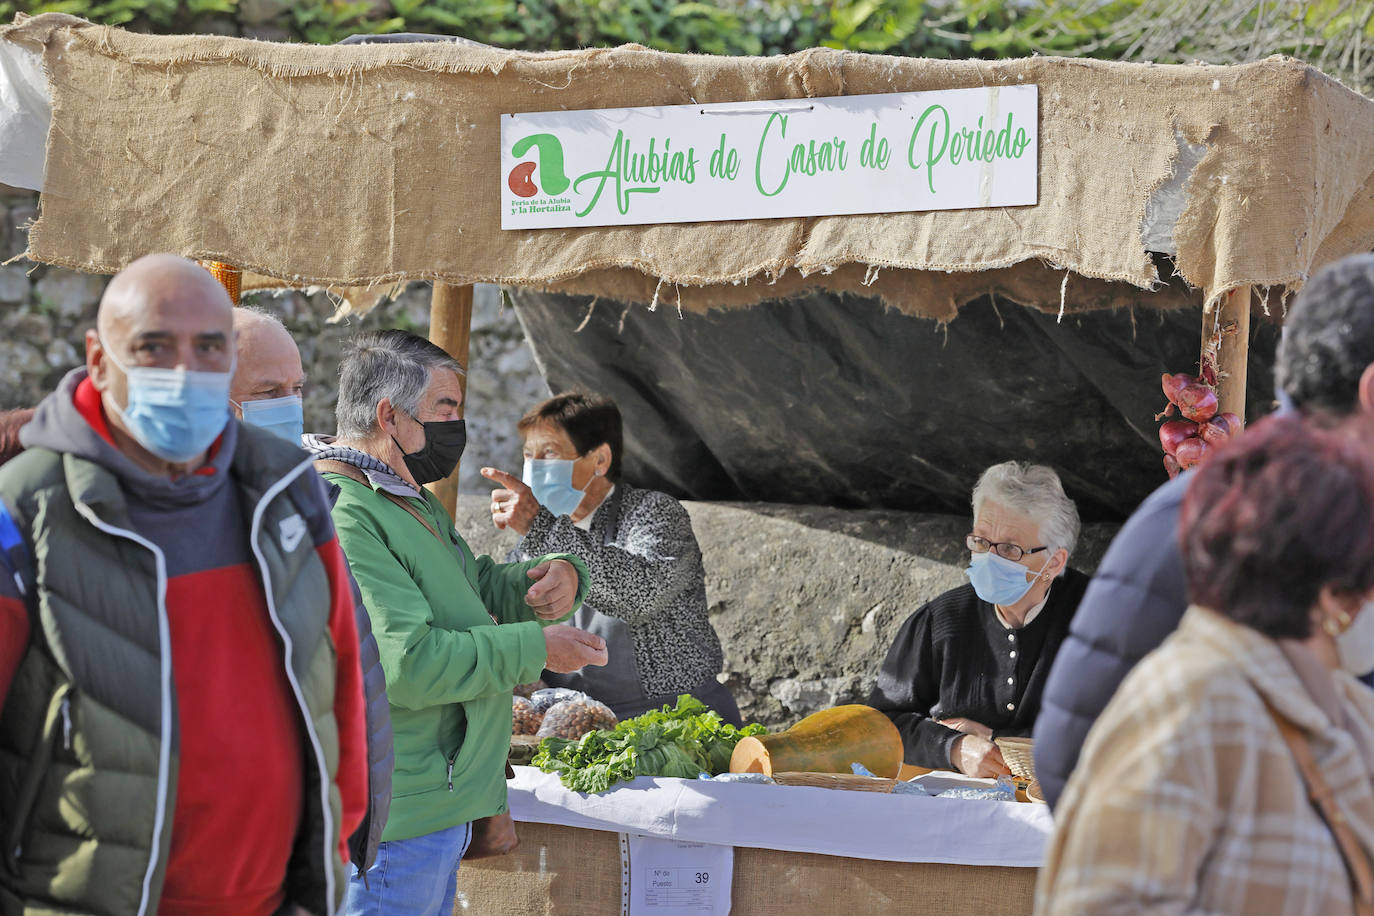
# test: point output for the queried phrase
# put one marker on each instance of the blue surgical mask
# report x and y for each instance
(551, 481)
(282, 416)
(174, 413)
(998, 580)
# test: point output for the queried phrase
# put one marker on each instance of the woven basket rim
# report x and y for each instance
(835, 781)
(1017, 752)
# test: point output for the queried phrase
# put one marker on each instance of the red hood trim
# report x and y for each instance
(87, 402)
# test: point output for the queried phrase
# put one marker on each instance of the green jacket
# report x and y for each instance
(449, 667)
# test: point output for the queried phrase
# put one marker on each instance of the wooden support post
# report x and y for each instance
(450, 326)
(1226, 344)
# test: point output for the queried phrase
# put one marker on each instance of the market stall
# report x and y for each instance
(690, 815)
(789, 849)
(359, 167)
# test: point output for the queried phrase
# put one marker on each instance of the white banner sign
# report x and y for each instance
(949, 149)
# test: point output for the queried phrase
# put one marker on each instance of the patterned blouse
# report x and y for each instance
(650, 576)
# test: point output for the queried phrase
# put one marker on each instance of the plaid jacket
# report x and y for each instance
(1187, 800)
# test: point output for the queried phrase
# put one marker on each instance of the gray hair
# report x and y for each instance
(393, 364)
(1034, 491)
(262, 313)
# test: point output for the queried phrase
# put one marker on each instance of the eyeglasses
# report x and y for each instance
(1006, 551)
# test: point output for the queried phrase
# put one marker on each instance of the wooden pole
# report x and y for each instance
(450, 326)
(1226, 347)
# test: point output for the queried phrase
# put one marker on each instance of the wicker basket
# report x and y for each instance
(836, 781)
(1017, 753)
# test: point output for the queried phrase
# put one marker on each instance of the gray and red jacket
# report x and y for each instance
(188, 668)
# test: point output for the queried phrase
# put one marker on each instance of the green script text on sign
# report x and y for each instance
(948, 149)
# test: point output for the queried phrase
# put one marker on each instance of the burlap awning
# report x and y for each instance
(363, 165)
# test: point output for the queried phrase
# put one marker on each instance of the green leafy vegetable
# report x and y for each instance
(680, 741)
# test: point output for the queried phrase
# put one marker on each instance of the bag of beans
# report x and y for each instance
(525, 719)
(574, 718)
(546, 699)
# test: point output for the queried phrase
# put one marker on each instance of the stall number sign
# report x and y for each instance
(663, 877)
(949, 149)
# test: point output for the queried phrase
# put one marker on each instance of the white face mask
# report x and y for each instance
(1356, 644)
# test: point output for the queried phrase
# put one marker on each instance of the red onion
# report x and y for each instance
(1220, 429)
(1174, 432)
(1197, 402)
(1190, 451)
(1173, 384)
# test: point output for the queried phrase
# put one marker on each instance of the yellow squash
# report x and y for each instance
(825, 742)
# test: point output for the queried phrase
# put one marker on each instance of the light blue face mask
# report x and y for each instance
(283, 416)
(551, 481)
(174, 413)
(998, 580)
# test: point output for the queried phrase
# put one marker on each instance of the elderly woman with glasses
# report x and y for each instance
(970, 665)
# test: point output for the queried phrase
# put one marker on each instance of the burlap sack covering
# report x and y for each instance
(564, 871)
(353, 166)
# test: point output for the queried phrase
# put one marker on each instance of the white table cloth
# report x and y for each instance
(865, 825)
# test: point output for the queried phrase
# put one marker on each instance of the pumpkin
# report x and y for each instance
(825, 742)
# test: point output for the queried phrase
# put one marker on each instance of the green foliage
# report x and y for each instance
(1337, 35)
(719, 27)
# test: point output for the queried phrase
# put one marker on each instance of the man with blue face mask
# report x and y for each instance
(269, 381)
(266, 392)
(182, 728)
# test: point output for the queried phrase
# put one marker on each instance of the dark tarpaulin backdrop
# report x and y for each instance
(831, 399)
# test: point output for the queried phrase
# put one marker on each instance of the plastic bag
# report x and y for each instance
(574, 718)
(525, 719)
(524, 690)
(546, 699)
(1005, 790)
(738, 777)
(910, 788)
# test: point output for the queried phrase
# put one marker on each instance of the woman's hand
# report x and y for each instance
(974, 755)
(513, 506)
(967, 726)
(554, 591)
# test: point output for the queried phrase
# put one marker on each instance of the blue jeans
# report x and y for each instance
(415, 877)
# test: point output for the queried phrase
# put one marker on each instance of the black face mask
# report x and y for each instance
(444, 442)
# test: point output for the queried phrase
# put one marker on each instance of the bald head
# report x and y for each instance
(159, 283)
(160, 312)
(269, 364)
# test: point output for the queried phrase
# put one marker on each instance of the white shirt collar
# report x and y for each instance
(586, 523)
(1030, 615)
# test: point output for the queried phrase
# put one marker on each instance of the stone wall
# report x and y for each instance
(808, 599)
(45, 312)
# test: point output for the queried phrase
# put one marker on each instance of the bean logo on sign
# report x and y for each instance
(548, 160)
